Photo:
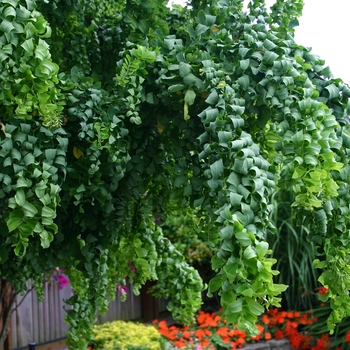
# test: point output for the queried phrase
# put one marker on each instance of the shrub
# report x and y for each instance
(126, 336)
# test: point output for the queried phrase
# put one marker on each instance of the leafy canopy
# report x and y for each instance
(111, 110)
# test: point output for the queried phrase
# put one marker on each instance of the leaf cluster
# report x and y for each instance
(214, 115)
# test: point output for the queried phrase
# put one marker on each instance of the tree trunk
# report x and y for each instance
(7, 299)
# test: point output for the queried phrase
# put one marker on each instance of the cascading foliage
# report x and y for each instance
(111, 110)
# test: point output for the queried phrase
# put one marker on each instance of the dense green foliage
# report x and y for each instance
(111, 110)
(294, 257)
(127, 336)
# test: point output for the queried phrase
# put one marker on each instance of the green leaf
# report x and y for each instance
(20, 197)
(41, 52)
(214, 284)
(6, 26)
(213, 98)
(27, 227)
(226, 232)
(231, 271)
(47, 212)
(190, 80)
(269, 45)
(15, 219)
(234, 179)
(235, 199)
(180, 180)
(217, 169)
(261, 249)
(45, 238)
(244, 64)
(236, 306)
(201, 29)
(29, 210)
(225, 137)
(201, 17)
(317, 264)
(270, 57)
(216, 262)
(190, 96)
(184, 69)
(28, 45)
(333, 91)
(254, 307)
(293, 23)
(213, 184)
(244, 81)
(169, 42)
(50, 154)
(176, 88)
(243, 238)
(249, 253)
(9, 12)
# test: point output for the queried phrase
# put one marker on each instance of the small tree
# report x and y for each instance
(111, 110)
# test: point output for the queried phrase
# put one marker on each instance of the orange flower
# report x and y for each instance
(226, 339)
(186, 334)
(279, 334)
(222, 331)
(179, 344)
(201, 317)
(199, 333)
(205, 343)
(290, 314)
(162, 325)
(268, 336)
(240, 341)
(207, 332)
(265, 319)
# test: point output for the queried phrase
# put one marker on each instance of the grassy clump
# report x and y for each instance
(124, 335)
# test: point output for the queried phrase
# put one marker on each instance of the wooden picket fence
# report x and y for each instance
(43, 322)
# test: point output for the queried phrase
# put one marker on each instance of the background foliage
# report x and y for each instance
(111, 110)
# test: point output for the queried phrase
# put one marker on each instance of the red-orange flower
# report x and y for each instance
(268, 336)
(200, 333)
(279, 334)
(265, 319)
(323, 290)
(223, 331)
(347, 337)
(186, 334)
(179, 344)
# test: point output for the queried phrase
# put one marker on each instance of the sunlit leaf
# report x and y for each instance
(77, 152)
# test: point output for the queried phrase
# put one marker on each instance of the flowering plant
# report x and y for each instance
(126, 335)
(210, 332)
(60, 278)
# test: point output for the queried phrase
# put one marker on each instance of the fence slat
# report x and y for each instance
(41, 322)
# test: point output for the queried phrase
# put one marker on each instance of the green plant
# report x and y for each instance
(215, 114)
(319, 327)
(294, 255)
(181, 228)
(126, 336)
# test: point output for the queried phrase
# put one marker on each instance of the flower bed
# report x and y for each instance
(211, 332)
(277, 330)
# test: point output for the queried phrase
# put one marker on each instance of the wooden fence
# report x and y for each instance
(43, 322)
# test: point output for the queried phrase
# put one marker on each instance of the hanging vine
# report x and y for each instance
(111, 110)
